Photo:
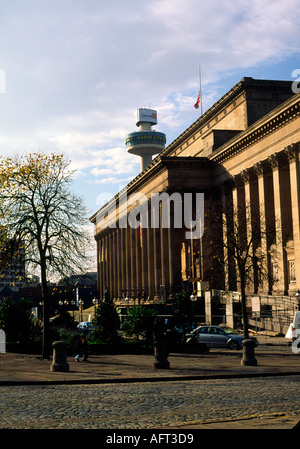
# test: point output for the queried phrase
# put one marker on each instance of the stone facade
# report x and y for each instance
(243, 150)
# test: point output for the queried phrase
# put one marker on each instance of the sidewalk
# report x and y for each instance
(274, 358)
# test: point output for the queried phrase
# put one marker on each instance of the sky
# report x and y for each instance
(74, 72)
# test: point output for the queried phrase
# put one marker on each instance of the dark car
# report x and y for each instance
(216, 337)
(178, 334)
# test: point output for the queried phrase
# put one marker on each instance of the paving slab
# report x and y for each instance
(272, 359)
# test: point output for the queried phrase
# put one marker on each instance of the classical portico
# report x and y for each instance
(140, 249)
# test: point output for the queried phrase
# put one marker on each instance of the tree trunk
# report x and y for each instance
(46, 327)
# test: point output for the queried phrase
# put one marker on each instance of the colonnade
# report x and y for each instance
(148, 263)
(138, 263)
(271, 189)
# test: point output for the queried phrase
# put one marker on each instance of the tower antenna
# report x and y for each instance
(145, 142)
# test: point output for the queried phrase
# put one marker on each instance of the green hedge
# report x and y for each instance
(24, 348)
(101, 348)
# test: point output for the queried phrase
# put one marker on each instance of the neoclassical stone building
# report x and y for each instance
(244, 149)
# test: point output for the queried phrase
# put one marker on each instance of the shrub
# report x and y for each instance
(63, 320)
(17, 320)
(140, 322)
(106, 322)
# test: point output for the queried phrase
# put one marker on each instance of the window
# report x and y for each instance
(216, 330)
(292, 273)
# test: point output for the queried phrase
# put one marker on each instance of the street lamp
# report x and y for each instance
(80, 304)
(193, 298)
(95, 301)
(73, 304)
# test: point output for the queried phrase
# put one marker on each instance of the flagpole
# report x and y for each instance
(200, 88)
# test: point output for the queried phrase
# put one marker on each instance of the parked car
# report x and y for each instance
(216, 337)
(85, 326)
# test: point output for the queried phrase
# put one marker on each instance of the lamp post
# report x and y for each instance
(95, 301)
(73, 304)
(80, 304)
(193, 298)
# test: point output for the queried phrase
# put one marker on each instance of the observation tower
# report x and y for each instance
(145, 142)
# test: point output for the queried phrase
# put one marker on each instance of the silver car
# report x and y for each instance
(216, 337)
(85, 326)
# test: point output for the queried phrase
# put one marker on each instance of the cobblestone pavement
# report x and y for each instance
(146, 405)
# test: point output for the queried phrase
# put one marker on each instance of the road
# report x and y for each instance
(145, 405)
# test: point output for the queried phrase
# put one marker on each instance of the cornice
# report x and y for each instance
(206, 116)
(155, 168)
(263, 128)
(246, 85)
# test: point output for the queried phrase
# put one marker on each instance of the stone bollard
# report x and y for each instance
(248, 353)
(161, 355)
(59, 357)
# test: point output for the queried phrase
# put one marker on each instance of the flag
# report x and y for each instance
(196, 105)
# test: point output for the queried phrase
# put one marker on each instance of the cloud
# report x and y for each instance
(77, 71)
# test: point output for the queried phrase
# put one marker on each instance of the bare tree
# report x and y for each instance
(244, 248)
(43, 219)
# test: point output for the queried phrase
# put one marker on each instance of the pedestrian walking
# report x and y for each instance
(81, 349)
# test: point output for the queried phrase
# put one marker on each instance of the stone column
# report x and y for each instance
(163, 264)
(99, 268)
(127, 262)
(144, 264)
(259, 170)
(106, 270)
(156, 255)
(292, 153)
(110, 260)
(138, 260)
(118, 261)
(115, 267)
(228, 250)
(246, 179)
(133, 261)
(171, 261)
(281, 286)
(150, 261)
(208, 307)
(225, 236)
(229, 310)
(123, 263)
(234, 224)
